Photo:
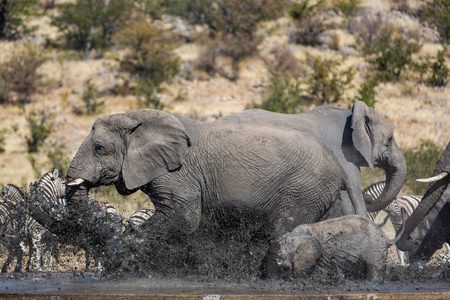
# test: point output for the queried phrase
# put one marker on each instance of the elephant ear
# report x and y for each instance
(155, 147)
(362, 131)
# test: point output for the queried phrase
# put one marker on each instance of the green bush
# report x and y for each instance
(392, 55)
(421, 162)
(439, 71)
(58, 155)
(20, 72)
(4, 92)
(327, 82)
(367, 93)
(90, 99)
(437, 12)
(304, 8)
(284, 95)
(149, 52)
(3, 133)
(227, 16)
(149, 58)
(89, 24)
(347, 7)
(14, 16)
(147, 94)
(40, 126)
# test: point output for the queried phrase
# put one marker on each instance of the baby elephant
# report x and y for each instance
(352, 244)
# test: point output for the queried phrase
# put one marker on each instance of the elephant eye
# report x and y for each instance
(99, 148)
(389, 142)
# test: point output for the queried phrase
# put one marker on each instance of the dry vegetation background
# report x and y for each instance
(415, 110)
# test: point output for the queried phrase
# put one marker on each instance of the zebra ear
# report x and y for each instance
(55, 174)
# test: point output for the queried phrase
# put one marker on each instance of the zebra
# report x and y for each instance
(51, 196)
(20, 230)
(12, 222)
(139, 217)
(407, 203)
(375, 191)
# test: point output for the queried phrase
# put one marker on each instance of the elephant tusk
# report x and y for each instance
(434, 178)
(77, 181)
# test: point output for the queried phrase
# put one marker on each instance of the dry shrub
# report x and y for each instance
(283, 61)
(367, 29)
(310, 21)
(348, 8)
(19, 73)
(335, 42)
(236, 47)
(307, 30)
(401, 5)
(148, 51)
(227, 16)
(327, 81)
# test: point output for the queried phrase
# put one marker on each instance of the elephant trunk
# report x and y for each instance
(395, 170)
(429, 200)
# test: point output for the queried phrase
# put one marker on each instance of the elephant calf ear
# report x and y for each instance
(361, 125)
(159, 145)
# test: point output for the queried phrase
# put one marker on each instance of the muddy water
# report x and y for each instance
(431, 281)
(88, 284)
(213, 261)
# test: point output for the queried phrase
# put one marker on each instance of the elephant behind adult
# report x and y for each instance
(432, 215)
(195, 171)
(360, 137)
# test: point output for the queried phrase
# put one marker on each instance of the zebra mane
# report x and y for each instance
(12, 193)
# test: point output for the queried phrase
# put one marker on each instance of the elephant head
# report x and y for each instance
(373, 138)
(439, 183)
(129, 150)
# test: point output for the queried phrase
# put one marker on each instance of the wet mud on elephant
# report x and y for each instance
(352, 245)
(195, 171)
(359, 137)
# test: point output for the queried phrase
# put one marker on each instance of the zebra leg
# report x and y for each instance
(86, 255)
(19, 256)
(401, 257)
(55, 254)
(36, 242)
(8, 261)
(30, 255)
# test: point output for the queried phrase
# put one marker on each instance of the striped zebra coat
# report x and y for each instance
(50, 190)
(408, 204)
(139, 217)
(20, 230)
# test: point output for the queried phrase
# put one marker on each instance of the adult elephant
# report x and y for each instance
(194, 171)
(359, 137)
(428, 227)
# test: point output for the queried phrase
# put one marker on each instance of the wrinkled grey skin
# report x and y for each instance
(194, 171)
(360, 137)
(433, 216)
(353, 245)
